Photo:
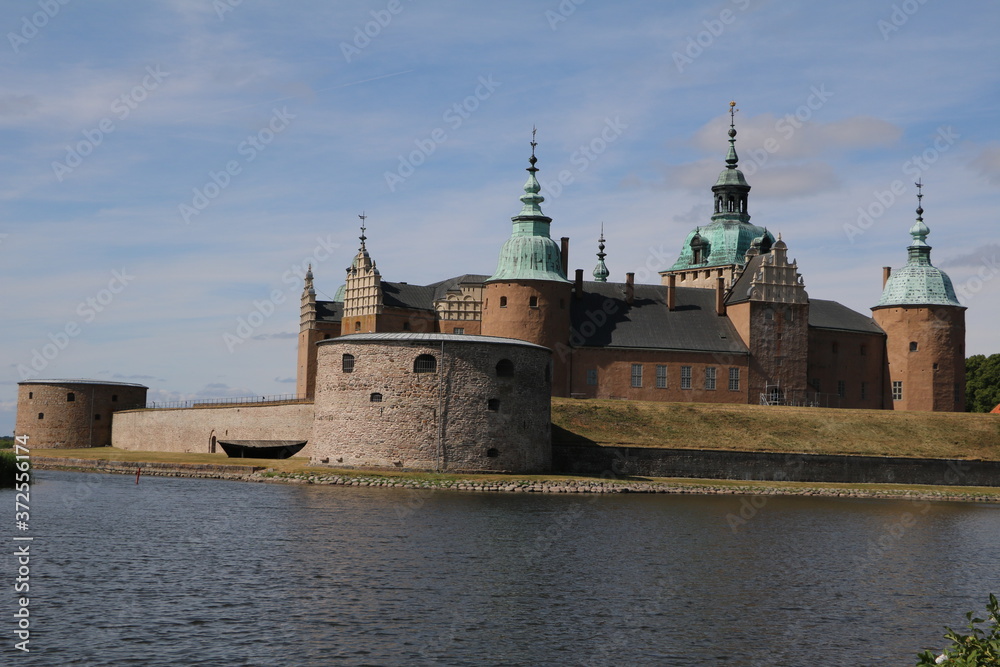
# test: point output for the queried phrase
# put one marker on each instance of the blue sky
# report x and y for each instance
(169, 167)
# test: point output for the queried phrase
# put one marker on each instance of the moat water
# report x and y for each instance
(200, 572)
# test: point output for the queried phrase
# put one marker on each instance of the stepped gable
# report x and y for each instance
(647, 323)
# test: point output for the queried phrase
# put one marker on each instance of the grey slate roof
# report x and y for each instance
(741, 289)
(404, 295)
(647, 323)
(825, 314)
(329, 311)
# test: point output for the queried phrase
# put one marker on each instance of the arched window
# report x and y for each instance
(425, 363)
(70, 397)
(375, 397)
(348, 363)
(505, 368)
(503, 302)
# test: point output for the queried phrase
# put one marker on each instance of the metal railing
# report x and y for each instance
(276, 399)
(799, 398)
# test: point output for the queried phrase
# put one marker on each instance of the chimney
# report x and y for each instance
(564, 251)
(629, 288)
(886, 271)
(671, 292)
(578, 284)
(720, 296)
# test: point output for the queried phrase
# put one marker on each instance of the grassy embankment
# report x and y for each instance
(777, 429)
(687, 425)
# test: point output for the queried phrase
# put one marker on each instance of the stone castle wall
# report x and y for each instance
(463, 416)
(57, 414)
(193, 429)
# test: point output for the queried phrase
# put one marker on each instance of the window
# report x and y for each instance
(685, 377)
(326, 336)
(841, 388)
(425, 363)
(70, 397)
(41, 415)
(357, 326)
(734, 379)
(834, 348)
(533, 302)
(406, 326)
(505, 368)
(815, 383)
(492, 452)
(913, 346)
(864, 350)
(375, 398)
(31, 394)
(636, 375)
(459, 330)
(864, 389)
(348, 363)
(768, 314)
(114, 398)
(661, 377)
(548, 372)
(503, 302)
(897, 390)
(592, 377)
(97, 418)
(935, 366)
(710, 378)
(493, 405)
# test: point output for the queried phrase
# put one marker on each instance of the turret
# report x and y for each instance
(527, 297)
(925, 330)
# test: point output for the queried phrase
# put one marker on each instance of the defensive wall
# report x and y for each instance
(592, 459)
(198, 429)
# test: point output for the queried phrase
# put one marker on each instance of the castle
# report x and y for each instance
(731, 321)
(456, 375)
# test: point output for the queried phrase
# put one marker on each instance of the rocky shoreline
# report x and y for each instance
(245, 473)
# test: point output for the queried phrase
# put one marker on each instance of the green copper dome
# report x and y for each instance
(727, 238)
(530, 253)
(919, 283)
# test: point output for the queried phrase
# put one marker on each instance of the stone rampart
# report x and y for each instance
(199, 429)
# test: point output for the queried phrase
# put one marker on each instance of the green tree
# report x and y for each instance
(982, 382)
(979, 648)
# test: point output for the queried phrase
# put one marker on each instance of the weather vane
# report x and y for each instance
(363, 218)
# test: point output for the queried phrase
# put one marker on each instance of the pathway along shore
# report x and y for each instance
(608, 484)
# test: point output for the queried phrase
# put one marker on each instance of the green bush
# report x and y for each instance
(980, 648)
(8, 466)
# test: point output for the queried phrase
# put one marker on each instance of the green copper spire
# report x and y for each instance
(530, 253)
(919, 283)
(601, 272)
(726, 240)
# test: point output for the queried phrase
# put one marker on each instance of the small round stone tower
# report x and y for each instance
(528, 296)
(925, 330)
(72, 413)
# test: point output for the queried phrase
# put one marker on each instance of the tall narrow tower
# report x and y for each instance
(527, 297)
(308, 337)
(925, 330)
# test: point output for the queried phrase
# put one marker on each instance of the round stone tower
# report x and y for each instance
(432, 402)
(925, 330)
(528, 296)
(72, 413)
